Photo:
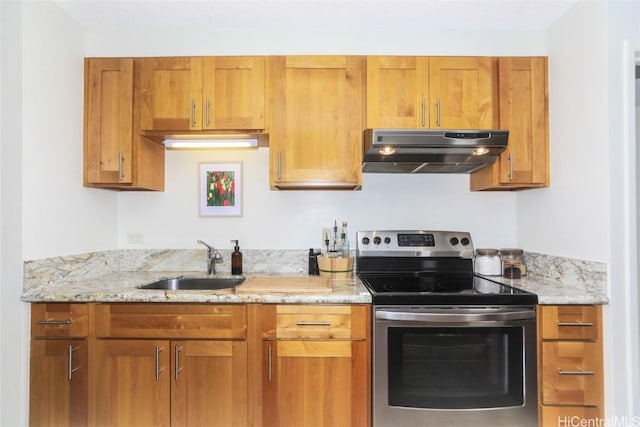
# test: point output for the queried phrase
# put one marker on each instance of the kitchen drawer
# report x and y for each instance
(59, 320)
(558, 416)
(148, 320)
(571, 373)
(315, 321)
(569, 322)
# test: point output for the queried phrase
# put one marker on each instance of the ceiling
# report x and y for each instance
(354, 15)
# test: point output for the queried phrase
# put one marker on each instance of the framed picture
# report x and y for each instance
(221, 189)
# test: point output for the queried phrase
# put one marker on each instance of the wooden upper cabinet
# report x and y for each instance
(317, 118)
(115, 155)
(234, 93)
(432, 92)
(108, 117)
(202, 93)
(524, 111)
(463, 93)
(397, 92)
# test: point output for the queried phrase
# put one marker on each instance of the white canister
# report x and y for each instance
(487, 262)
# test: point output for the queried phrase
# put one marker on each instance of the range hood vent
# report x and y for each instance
(431, 150)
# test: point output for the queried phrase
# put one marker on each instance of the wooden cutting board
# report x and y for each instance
(276, 284)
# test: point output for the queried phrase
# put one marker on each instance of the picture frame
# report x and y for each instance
(221, 189)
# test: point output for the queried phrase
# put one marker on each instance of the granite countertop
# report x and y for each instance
(122, 287)
(113, 276)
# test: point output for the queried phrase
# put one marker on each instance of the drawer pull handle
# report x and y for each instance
(580, 372)
(178, 369)
(70, 369)
(269, 363)
(53, 322)
(304, 323)
(575, 324)
(158, 349)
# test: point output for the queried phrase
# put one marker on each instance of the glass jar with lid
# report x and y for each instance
(512, 263)
(487, 262)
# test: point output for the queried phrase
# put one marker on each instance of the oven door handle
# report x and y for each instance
(454, 317)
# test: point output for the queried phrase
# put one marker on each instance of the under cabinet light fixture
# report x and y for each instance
(211, 143)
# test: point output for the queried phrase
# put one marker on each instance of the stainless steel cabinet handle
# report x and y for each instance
(575, 324)
(208, 112)
(193, 113)
(580, 372)
(269, 363)
(177, 367)
(53, 322)
(438, 112)
(158, 369)
(70, 369)
(304, 323)
(442, 317)
(279, 166)
(424, 112)
(120, 167)
(510, 167)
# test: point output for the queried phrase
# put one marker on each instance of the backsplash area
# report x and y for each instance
(587, 275)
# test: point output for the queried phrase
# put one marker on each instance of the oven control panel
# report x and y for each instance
(414, 243)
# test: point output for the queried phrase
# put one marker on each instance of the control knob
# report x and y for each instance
(377, 240)
(387, 240)
(454, 241)
(465, 241)
(365, 240)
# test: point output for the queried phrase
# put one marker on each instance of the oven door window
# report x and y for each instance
(456, 368)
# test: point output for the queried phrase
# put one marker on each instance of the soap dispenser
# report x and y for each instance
(236, 259)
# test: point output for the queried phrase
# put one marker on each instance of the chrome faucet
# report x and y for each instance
(213, 256)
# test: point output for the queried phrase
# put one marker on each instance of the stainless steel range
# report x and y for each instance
(450, 348)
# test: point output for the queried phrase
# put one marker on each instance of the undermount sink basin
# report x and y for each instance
(195, 283)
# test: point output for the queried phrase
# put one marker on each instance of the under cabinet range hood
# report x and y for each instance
(431, 150)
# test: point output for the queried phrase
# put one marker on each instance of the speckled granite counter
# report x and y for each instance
(112, 276)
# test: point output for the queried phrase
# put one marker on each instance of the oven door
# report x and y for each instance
(455, 366)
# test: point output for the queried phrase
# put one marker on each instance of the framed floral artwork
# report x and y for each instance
(221, 189)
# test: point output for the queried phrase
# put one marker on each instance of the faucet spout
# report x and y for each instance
(213, 256)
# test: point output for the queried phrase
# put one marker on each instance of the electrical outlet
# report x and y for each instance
(135, 238)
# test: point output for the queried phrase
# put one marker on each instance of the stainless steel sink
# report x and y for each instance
(195, 283)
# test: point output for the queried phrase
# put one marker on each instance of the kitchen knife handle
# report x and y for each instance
(70, 369)
(580, 372)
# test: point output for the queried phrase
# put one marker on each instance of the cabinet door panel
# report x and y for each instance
(463, 92)
(316, 383)
(397, 92)
(234, 93)
(171, 93)
(132, 383)
(209, 383)
(316, 126)
(58, 387)
(108, 120)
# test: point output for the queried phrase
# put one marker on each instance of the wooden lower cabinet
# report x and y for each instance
(177, 383)
(570, 365)
(58, 385)
(316, 383)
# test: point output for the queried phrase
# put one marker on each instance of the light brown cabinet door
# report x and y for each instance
(524, 111)
(463, 92)
(108, 118)
(209, 383)
(58, 387)
(171, 91)
(233, 93)
(317, 119)
(132, 382)
(397, 92)
(316, 383)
